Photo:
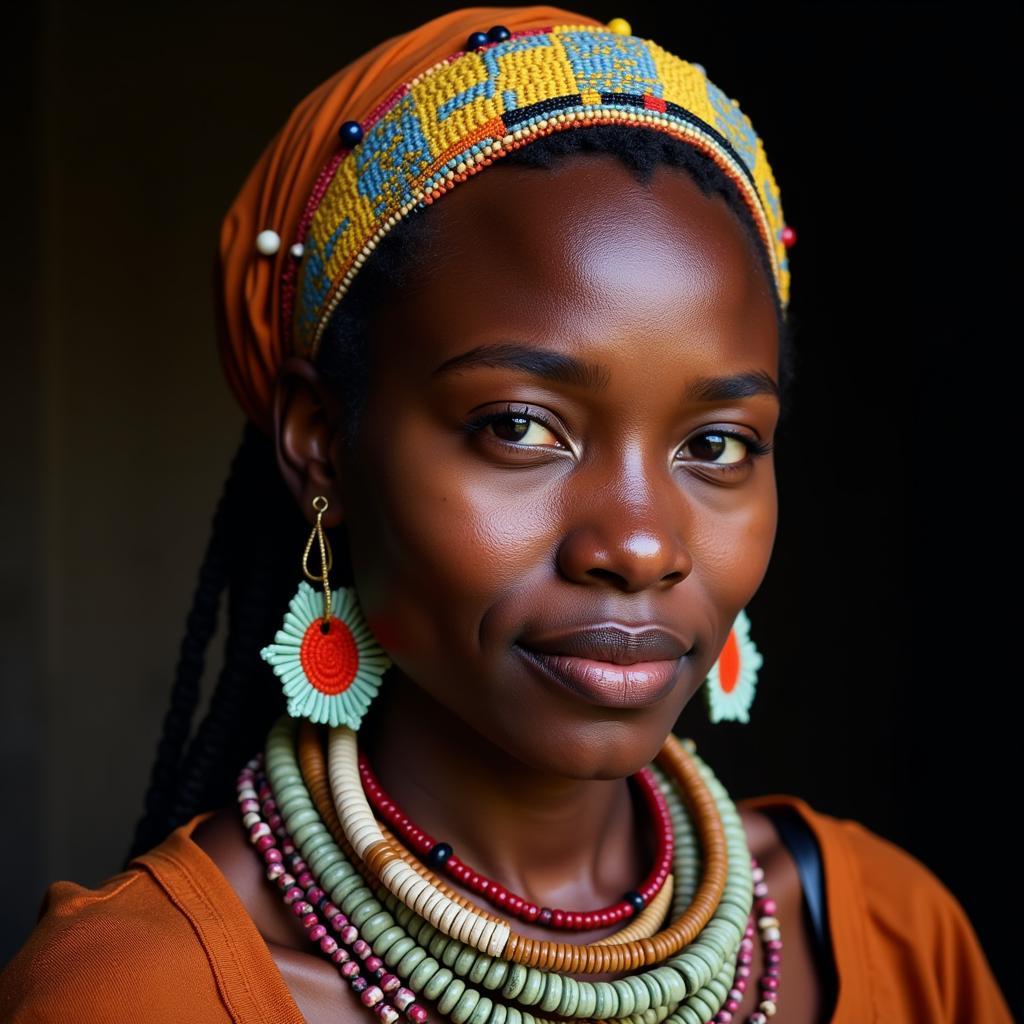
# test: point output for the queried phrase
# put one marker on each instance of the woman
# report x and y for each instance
(519, 439)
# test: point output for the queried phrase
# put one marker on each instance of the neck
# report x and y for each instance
(559, 842)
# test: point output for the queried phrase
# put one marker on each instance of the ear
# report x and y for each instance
(308, 437)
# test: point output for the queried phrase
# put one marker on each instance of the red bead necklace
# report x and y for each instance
(440, 855)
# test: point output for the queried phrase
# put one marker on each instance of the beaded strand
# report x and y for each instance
(771, 941)
(437, 854)
(388, 999)
(465, 925)
(691, 986)
(767, 924)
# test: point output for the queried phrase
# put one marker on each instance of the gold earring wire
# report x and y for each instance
(326, 558)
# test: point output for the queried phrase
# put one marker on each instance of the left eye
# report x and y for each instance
(719, 447)
(517, 428)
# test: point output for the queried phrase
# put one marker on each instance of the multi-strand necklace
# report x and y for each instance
(401, 937)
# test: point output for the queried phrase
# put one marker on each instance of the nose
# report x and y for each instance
(630, 534)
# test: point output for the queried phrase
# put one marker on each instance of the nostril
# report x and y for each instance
(608, 574)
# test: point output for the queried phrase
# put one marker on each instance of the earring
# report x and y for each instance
(730, 685)
(328, 661)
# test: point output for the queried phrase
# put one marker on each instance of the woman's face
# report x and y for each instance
(623, 341)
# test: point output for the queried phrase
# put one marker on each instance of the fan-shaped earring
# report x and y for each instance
(730, 686)
(328, 661)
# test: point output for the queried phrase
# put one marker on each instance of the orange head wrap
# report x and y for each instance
(315, 204)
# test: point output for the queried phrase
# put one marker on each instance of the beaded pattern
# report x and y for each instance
(466, 925)
(730, 686)
(687, 988)
(441, 855)
(388, 999)
(468, 110)
(328, 677)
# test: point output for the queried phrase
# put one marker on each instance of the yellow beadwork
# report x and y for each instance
(460, 114)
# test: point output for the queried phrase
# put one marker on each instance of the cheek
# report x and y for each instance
(732, 548)
(437, 539)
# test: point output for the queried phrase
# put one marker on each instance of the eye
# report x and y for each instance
(725, 448)
(516, 427)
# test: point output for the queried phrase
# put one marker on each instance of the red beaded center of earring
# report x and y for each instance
(330, 659)
(729, 663)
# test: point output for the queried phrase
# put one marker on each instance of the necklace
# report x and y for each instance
(699, 977)
(467, 925)
(410, 960)
(314, 773)
(388, 998)
(437, 854)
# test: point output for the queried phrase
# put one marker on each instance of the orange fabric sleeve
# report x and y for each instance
(927, 961)
(164, 942)
(904, 948)
(118, 952)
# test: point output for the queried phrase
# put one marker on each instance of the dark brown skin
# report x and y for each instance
(615, 507)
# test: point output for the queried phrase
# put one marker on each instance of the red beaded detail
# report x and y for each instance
(330, 660)
(788, 237)
(388, 999)
(421, 843)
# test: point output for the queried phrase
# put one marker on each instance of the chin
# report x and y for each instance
(595, 745)
(557, 731)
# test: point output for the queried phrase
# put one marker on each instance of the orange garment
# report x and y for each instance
(246, 288)
(169, 940)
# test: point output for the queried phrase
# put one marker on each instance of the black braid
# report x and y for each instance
(268, 536)
(259, 531)
(199, 628)
(257, 537)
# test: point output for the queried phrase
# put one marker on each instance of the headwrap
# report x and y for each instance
(396, 128)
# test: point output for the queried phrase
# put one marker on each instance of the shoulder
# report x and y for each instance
(919, 947)
(913, 916)
(901, 891)
(887, 872)
(122, 946)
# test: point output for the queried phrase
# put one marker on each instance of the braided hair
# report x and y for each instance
(259, 531)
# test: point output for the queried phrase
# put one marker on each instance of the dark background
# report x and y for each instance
(884, 620)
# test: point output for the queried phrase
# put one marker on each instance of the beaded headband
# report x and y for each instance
(500, 92)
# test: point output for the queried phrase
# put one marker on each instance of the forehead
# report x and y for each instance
(583, 253)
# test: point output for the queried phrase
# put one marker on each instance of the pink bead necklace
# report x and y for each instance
(440, 855)
(771, 945)
(386, 996)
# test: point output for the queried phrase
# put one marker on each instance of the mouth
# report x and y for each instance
(638, 684)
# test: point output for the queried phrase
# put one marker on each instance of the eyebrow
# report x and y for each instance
(566, 369)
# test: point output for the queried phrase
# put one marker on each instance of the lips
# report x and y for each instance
(608, 665)
(611, 643)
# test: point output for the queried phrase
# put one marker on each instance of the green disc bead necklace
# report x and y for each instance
(688, 988)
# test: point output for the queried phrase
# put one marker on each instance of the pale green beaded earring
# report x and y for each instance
(730, 686)
(328, 661)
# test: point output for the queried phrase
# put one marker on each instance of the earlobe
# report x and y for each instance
(306, 424)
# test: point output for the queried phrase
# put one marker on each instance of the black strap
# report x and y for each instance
(802, 844)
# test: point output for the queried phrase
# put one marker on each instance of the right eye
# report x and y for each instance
(516, 427)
